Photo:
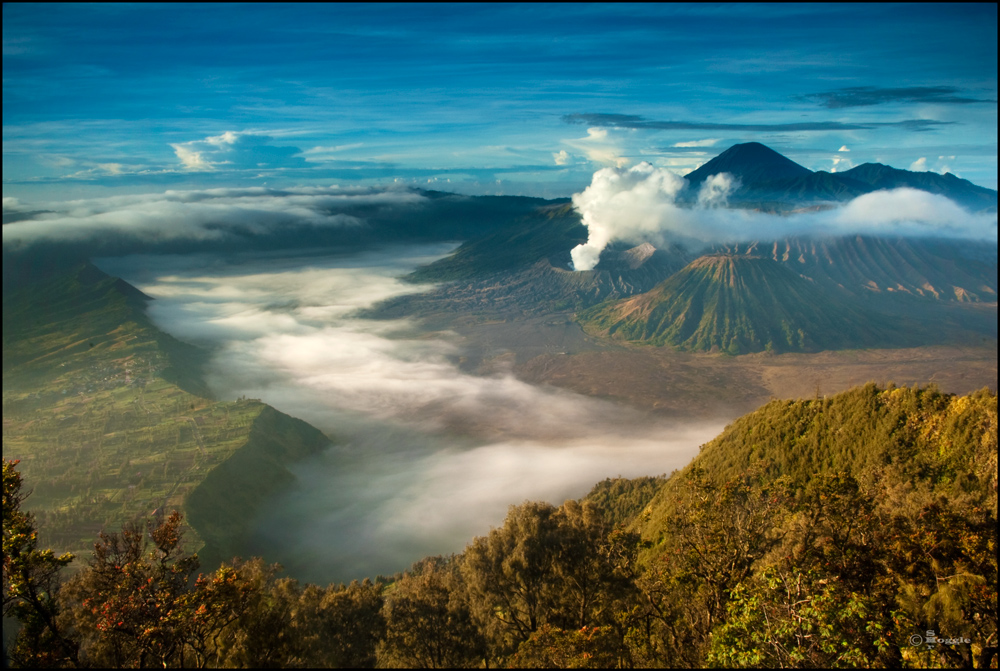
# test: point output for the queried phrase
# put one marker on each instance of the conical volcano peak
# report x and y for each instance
(735, 303)
(752, 163)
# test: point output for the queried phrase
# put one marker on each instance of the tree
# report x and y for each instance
(286, 625)
(126, 607)
(136, 605)
(352, 624)
(562, 567)
(944, 559)
(234, 619)
(798, 619)
(428, 621)
(30, 584)
(714, 535)
(507, 572)
(594, 566)
(554, 648)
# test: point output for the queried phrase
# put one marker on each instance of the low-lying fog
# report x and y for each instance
(425, 456)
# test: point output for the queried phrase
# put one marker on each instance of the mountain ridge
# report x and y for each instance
(766, 175)
(111, 417)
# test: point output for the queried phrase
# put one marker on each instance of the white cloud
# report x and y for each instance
(920, 165)
(228, 138)
(207, 214)
(625, 204)
(318, 153)
(943, 166)
(55, 160)
(236, 151)
(11, 204)
(191, 159)
(844, 148)
(910, 212)
(715, 190)
(641, 204)
(562, 158)
(112, 168)
(841, 163)
(708, 142)
(599, 147)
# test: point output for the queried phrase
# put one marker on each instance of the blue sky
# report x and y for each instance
(516, 99)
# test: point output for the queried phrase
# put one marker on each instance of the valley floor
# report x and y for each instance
(553, 350)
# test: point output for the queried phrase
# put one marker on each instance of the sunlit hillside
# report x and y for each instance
(98, 408)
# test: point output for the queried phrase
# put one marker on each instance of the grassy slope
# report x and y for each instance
(91, 408)
(738, 304)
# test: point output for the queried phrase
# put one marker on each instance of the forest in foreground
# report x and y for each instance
(857, 530)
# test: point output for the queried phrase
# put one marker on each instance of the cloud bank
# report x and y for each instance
(201, 215)
(646, 204)
(427, 456)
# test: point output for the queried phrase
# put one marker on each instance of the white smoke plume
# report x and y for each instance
(642, 204)
(626, 204)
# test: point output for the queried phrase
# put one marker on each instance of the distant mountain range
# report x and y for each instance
(770, 180)
(791, 294)
(752, 163)
(435, 217)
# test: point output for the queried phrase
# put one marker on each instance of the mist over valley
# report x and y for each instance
(424, 455)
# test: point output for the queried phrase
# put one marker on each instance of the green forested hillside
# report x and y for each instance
(852, 531)
(110, 421)
(810, 526)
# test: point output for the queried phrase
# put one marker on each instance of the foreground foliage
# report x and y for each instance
(822, 533)
(30, 583)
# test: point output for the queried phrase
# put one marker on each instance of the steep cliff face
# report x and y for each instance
(223, 506)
